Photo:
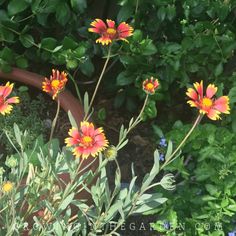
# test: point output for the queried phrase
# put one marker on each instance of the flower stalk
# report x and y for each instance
(54, 121)
(172, 156)
(98, 83)
(134, 124)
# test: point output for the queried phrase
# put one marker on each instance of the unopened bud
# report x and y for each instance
(11, 162)
(167, 182)
(111, 153)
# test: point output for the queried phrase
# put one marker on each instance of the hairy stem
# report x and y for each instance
(171, 158)
(135, 123)
(98, 83)
(53, 127)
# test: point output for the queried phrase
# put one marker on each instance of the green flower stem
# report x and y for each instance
(95, 174)
(76, 87)
(138, 119)
(3, 209)
(71, 184)
(87, 166)
(136, 7)
(135, 123)
(98, 83)
(13, 216)
(151, 186)
(171, 158)
(54, 125)
(69, 190)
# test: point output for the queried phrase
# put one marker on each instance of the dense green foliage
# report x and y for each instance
(29, 116)
(206, 190)
(177, 41)
(192, 40)
(36, 32)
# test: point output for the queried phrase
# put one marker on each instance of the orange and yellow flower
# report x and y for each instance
(5, 91)
(86, 141)
(150, 85)
(207, 104)
(7, 187)
(55, 84)
(109, 32)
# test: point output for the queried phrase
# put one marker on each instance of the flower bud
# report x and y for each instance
(11, 162)
(111, 153)
(167, 182)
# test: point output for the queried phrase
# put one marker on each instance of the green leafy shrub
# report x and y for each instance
(179, 41)
(28, 114)
(204, 200)
(31, 32)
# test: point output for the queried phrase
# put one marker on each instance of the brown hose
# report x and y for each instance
(67, 100)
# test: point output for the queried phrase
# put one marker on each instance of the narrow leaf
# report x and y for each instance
(169, 150)
(72, 120)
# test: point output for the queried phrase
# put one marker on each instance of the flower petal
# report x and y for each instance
(211, 90)
(84, 127)
(73, 132)
(70, 142)
(13, 100)
(104, 40)
(222, 104)
(86, 152)
(94, 30)
(124, 30)
(192, 93)
(5, 109)
(213, 114)
(111, 23)
(7, 89)
(99, 25)
(199, 88)
(2, 88)
(77, 151)
(192, 103)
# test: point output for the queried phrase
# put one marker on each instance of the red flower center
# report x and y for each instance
(87, 141)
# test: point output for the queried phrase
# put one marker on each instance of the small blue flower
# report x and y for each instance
(231, 234)
(162, 157)
(163, 142)
(166, 225)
